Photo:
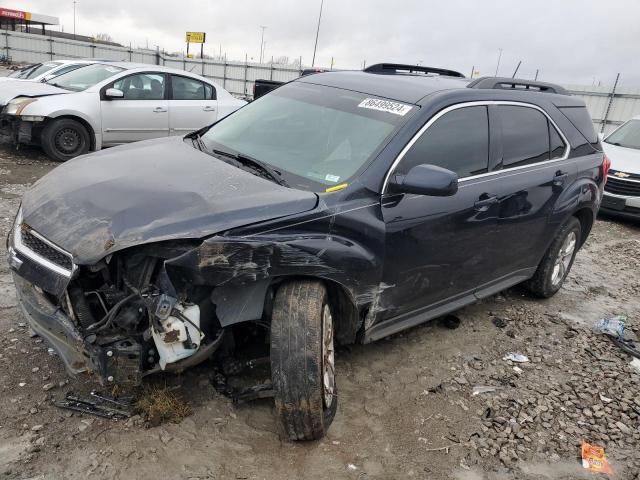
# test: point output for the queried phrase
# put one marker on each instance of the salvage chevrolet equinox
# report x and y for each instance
(341, 207)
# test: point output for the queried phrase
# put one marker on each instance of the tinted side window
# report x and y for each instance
(458, 141)
(184, 88)
(209, 92)
(557, 144)
(525, 136)
(581, 119)
(142, 86)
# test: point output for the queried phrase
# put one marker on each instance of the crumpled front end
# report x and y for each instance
(120, 318)
(14, 130)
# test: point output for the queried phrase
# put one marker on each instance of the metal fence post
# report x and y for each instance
(51, 54)
(246, 71)
(611, 97)
(6, 44)
(224, 74)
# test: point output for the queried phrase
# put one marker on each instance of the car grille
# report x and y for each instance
(45, 249)
(619, 186)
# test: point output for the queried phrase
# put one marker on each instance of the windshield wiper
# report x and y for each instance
(199, 143)
(251, 162)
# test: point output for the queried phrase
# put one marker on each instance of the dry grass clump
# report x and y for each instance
(163, 404)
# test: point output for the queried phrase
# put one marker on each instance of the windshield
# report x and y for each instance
(35, 70)
(628, 135)
(315, 136)
(86, 77)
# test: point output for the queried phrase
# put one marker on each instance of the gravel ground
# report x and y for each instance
(406, 404)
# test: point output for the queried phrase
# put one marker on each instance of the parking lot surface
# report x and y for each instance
(406, 406)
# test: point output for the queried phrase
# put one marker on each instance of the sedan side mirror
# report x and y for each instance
(426, 180)
(113, 93)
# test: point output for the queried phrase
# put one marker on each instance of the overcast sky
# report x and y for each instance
(569, 41)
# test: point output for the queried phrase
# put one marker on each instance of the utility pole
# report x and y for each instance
(263, 27)
(74, 19)
(315, 47)
(498, 65)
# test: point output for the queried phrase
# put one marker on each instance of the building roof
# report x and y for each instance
(22, 16)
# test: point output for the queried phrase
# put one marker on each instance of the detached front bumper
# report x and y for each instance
(13, 130)
(52, 324)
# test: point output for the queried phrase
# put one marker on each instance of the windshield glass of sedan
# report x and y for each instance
(35, 70)
(627, 135)
(311, 133)
(83, 78)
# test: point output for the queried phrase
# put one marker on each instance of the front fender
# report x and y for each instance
(241, 270)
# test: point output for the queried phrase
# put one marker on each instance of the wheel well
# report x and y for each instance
(585, 217)
(348, 321)
(85, 124)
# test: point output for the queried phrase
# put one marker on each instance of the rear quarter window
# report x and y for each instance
(580, 118)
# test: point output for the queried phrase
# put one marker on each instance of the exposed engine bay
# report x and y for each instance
(130, 327)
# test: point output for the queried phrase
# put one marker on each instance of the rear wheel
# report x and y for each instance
(557, 262)
(65, 139)
(302, 360)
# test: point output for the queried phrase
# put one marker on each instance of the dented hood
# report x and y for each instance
(11, 89)
(150, 191)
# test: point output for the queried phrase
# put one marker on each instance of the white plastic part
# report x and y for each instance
(173, 343)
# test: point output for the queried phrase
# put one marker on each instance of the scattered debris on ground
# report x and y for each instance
(407, 409)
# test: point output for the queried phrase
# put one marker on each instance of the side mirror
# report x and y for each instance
(112, 93)
(426, 180)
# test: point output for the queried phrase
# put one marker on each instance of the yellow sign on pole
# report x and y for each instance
(196, 37)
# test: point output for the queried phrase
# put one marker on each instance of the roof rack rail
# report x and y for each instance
(394, 68)
(505, 83)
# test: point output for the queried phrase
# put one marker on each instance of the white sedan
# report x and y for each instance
(107, 104)
(44, 71)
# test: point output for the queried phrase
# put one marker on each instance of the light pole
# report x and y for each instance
(315, 47)
(74, 19)
(498, 65)
(262, 41)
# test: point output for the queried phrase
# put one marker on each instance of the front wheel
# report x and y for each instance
(557, 261)
(64, 139)
(302, 359)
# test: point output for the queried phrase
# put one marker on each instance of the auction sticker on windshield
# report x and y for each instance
(385, 106)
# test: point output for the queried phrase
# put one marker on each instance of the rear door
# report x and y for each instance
(192, 105)
(528, 177)
(142, 113)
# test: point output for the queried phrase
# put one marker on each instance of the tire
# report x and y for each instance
(552, 270)
(304, 407)
(64, 139)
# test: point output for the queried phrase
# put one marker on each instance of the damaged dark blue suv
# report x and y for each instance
(341, 207)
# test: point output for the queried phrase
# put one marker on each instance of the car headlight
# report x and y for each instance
(17, 105)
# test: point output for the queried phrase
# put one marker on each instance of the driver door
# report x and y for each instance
(142, 113)
(438, 249)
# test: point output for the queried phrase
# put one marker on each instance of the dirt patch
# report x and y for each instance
(406, 405)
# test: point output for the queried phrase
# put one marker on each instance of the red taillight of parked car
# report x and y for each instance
(606, 165)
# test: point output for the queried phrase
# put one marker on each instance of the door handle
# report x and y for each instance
(209, 109)
(159, 110)
(559, 178)
(485, 201)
